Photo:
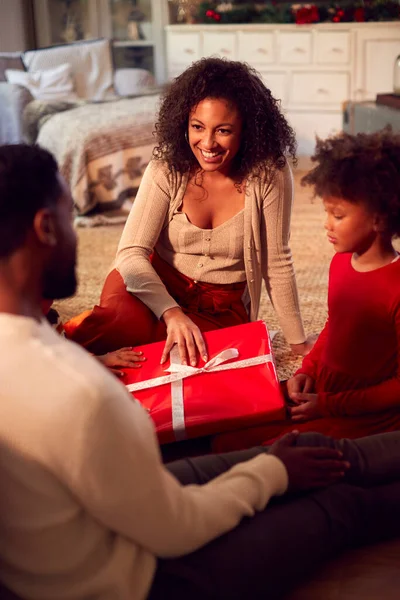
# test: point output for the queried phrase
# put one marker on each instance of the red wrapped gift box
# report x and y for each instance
(241, 390)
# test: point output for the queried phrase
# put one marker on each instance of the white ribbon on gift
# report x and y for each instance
(178, 372)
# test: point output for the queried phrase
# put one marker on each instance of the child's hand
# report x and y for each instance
(309, 467)
(307, 408)
(298, 384)
(124, 357)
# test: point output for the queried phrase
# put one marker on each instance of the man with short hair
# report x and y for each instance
(87, 509)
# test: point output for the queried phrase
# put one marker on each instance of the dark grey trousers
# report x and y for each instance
(265, 556)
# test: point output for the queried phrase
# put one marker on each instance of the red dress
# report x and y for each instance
(355, 362)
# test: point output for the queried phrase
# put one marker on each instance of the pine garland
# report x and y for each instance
(263, 11)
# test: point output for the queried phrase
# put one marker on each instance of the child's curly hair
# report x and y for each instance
(266, 136)
(362, 168)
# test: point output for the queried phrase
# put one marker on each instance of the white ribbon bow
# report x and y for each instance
(178, 372)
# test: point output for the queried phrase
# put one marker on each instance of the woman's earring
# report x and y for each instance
(186, 137)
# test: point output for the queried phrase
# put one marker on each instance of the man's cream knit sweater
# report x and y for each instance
(86, 504)
(266, 252)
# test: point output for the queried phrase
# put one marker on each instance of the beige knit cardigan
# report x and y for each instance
(267, 213)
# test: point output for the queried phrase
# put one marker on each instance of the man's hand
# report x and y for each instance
(182, 331)
(124, 357)
(298, 384)
(309, 467)
(307, 409)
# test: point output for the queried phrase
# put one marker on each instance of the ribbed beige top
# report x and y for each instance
(210, 255)
(260, 242)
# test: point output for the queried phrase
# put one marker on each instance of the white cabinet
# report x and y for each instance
(182, 49)
(256, 47)
(295, 47)
(376, 51)
(312, 69)
(219, 44)
(324, 89)
(277, 82)
(332, 47)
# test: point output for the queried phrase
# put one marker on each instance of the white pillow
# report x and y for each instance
(90, 61)
(50, 84)
(131, 81)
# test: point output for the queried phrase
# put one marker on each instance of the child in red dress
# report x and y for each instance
(349, 384)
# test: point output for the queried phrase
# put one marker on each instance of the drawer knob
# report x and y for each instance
(262, 50)
(189, 50)
(225, 51)
(322, 91)
(299, 50)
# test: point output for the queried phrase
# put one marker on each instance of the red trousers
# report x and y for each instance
(122, 319)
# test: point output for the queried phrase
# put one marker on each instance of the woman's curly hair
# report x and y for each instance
(266, 136)
(362, 168)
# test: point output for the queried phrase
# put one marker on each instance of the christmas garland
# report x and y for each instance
(283, 12)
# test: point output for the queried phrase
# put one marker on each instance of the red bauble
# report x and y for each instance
(359, 14)
(306, 15)
(338, 15)
(314, 14)
(210, 13)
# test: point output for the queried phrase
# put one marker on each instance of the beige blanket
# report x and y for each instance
(102, 148)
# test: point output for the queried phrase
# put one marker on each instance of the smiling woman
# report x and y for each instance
(215, 128)
(211, 220)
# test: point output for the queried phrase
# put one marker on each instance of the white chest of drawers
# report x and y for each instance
(312, 69)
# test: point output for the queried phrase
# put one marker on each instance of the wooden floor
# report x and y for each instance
(371, 573)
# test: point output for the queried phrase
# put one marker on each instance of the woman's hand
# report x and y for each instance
(305, 347)
(307, 409)
(182, 331)
(298, 384)
(124, 357)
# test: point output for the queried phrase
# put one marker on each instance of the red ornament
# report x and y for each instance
(211, 14)
(338, 15)
(359, 14)
(307, 14)
(314, 14)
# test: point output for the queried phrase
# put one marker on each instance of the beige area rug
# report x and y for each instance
(311, 251)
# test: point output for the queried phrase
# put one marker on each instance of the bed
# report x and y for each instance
(97, 122)
(101, 148)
